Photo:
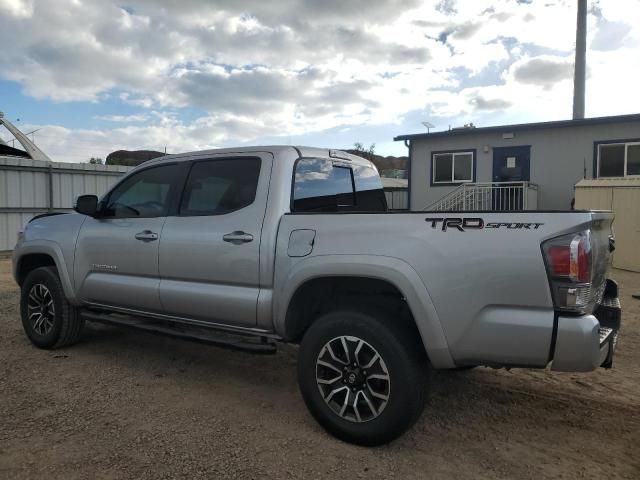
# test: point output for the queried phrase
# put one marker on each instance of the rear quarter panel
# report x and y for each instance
(485, 290)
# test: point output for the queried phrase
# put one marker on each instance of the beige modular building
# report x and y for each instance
(622, 195)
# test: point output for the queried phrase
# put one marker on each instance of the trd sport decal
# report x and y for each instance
(477, 223)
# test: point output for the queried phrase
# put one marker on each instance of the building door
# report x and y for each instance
(510, 171)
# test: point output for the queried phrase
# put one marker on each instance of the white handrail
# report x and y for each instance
(452, 194)
(496, 196)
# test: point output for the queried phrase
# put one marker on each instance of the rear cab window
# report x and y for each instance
(326, 185)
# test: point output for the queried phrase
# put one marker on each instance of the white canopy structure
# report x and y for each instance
(32, 150)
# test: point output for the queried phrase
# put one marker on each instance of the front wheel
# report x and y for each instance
(362, 376)
(48, 319)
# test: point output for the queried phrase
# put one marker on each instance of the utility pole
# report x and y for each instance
(581, 61)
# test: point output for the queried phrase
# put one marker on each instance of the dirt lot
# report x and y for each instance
(128, 405)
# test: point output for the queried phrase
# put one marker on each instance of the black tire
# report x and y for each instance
(401, 352)
(64, 324)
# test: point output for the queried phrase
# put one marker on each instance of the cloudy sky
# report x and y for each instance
(98, 75)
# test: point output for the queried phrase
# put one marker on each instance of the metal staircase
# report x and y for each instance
(490, 196)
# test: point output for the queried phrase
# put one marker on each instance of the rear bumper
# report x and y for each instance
(587, 342)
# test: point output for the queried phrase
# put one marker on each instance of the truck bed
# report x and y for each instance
(483, 276)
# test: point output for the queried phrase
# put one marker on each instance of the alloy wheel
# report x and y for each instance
(41, 309)
(353, 379)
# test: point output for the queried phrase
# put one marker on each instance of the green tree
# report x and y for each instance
(365, 152)
(95, 161)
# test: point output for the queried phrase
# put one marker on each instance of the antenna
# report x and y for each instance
(33, 137)
(428, 125)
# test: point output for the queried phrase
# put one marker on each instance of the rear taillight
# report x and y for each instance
(571, 259)
(559, 260)
(569, 264)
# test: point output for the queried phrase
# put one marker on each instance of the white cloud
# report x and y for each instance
(544, 70)
(123, 118)
(17, 8)
(261, 69)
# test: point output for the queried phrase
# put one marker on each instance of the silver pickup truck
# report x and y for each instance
(251, 246)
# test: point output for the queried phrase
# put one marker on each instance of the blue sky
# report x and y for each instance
(96, 75)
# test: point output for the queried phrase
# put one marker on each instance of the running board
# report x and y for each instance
(201, 335)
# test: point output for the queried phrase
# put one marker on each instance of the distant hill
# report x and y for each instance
(384, 163)
(131, 158)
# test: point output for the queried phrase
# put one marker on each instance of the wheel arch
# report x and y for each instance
(41, 254)
(378, 277)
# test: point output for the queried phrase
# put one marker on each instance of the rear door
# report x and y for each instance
(210, 251)
(116, 261)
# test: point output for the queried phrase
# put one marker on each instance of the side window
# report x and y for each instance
(322, 186)
(145, 194)
(216, 187)
(619, 159)
(611, 160)
(452, 167)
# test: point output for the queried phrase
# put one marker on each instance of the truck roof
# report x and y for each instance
(297, 151)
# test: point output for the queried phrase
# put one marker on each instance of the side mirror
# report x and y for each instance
(87, 205)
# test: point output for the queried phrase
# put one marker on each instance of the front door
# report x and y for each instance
(116, 260)
(210, 251)
(510, 169)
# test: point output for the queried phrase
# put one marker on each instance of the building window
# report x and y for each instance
(452, 167)
(619, 159)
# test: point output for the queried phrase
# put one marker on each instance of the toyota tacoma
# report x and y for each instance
(248, 247)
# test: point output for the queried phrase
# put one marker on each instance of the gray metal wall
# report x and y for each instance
(28, 188)
(558, 156)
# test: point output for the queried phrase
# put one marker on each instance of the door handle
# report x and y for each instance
(238, 237)
(146, 236)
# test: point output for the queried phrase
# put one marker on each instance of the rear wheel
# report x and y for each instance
(48, 319)
(362, 376)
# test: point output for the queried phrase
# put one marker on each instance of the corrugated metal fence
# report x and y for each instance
(397, 198)
(29, 187)
(397, 192)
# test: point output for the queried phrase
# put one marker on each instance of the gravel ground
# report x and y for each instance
(123, 404)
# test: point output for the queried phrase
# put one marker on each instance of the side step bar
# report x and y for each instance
(201, 335)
